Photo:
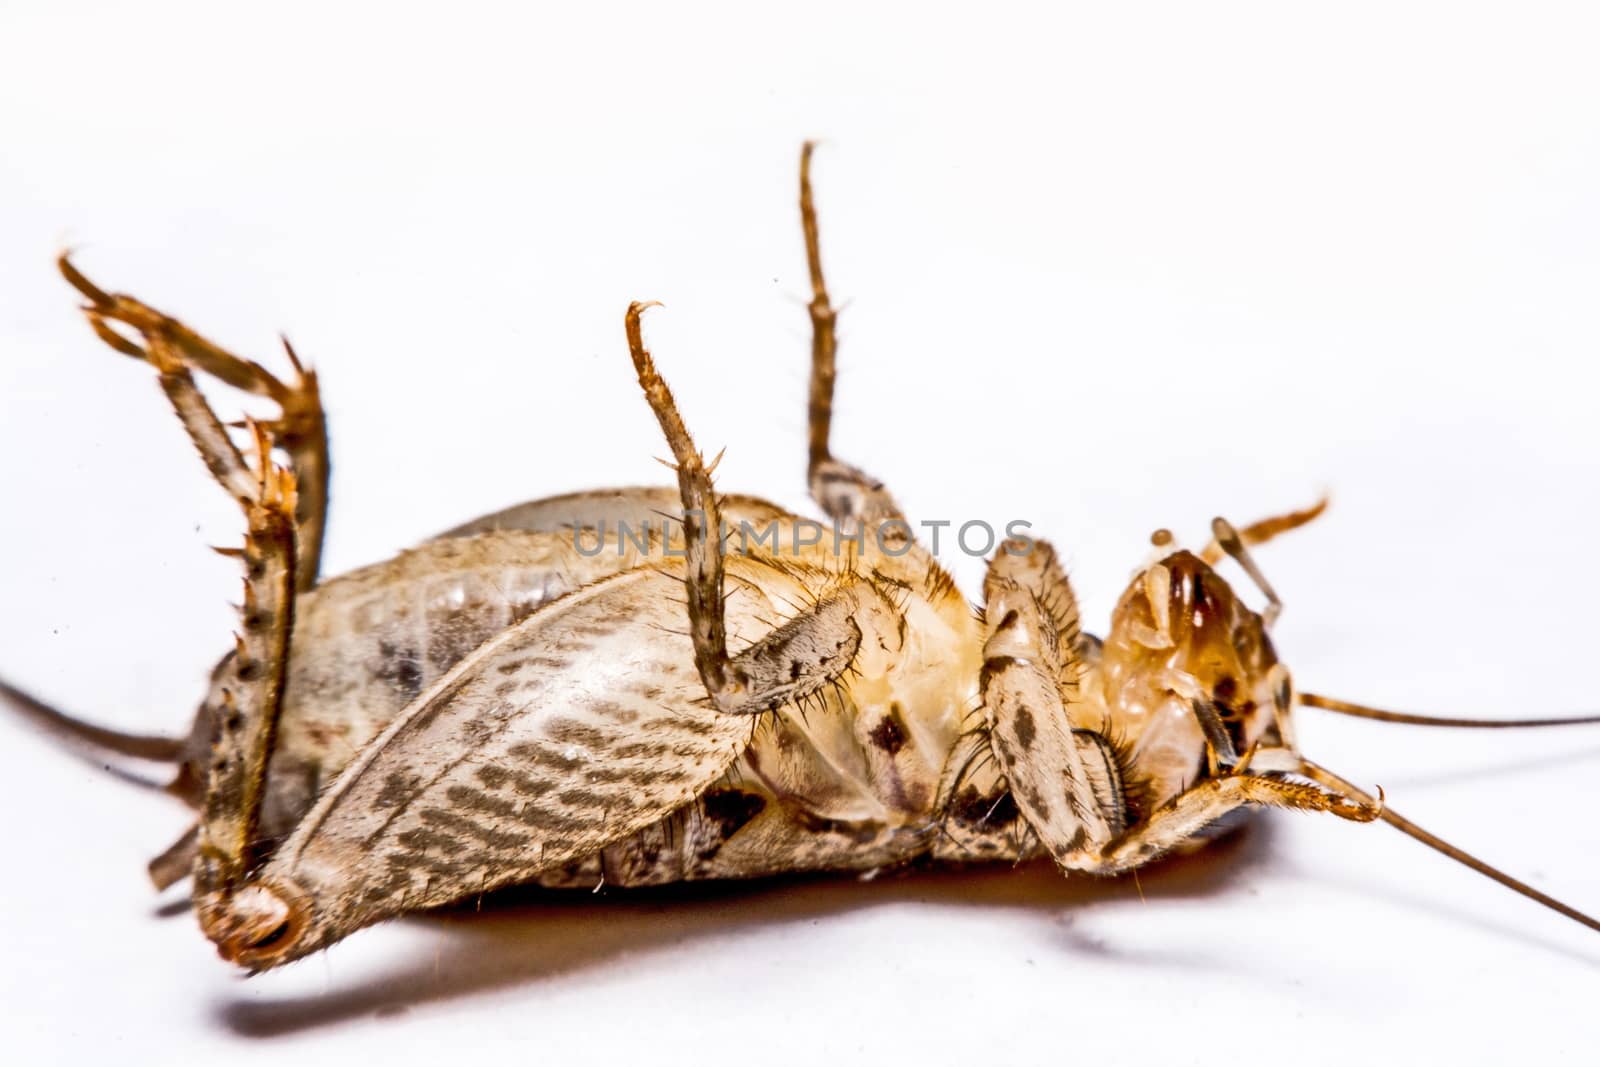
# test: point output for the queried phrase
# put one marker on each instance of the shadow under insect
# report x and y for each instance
(521, 937)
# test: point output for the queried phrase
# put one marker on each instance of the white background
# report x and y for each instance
(1105, 267)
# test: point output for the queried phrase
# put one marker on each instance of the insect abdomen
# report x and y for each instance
(847, 780)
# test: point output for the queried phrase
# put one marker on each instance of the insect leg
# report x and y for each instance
(1031, 670)
(978, 817)
(301, 428)
(229, 843)
(1194, 809)
(798, 658)
(177, 860)
(843, 492)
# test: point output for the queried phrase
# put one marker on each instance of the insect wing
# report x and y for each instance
(577, 727)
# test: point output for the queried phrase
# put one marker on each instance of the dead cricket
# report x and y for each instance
(501, 705)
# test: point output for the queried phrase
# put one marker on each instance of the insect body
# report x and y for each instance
(504, 705)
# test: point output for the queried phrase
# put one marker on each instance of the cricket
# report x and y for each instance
(542, 697)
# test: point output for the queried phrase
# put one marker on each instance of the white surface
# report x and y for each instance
(1103, 271)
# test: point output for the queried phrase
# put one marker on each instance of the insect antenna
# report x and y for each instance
(1233, 543)
(1362, 711)
(67, 728)
(1326, 777)
(1258, 533)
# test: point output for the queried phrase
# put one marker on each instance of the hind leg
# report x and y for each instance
(301, 428)
(228, 843)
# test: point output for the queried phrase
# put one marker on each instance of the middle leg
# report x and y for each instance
(846, 494)
(800, 657)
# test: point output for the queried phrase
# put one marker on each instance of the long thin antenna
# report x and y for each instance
(1410, 829)
(139, 746)
(1361, 711)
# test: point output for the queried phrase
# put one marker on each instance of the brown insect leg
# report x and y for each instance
(177, 861)
(700, 515)
(824, 340)
(1220, 753)
(1031, 671)
(844, 493)
(228, 842)
(301, 428)
(796, 659)
(1194, 809)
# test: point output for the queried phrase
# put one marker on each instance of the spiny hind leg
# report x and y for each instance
(799, 657)
(229, 842)
(301, 428)
(1191, 811)
(845, 493)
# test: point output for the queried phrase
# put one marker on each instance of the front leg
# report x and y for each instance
(1067, 780)
(1191, 811)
